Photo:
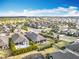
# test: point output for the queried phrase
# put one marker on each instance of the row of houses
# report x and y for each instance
(21, 40)
(64, 29)
(38, 24)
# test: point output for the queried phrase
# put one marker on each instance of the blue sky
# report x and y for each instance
(42, 7)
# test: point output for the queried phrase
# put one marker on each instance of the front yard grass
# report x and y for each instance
(3, 53)
(61, 44)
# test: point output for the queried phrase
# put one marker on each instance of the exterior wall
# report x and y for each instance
(22, 45)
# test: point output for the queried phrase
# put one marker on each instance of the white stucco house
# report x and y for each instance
(20, 41)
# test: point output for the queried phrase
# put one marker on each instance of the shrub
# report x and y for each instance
(31, 43)
(11, 30)
(11, 45)
(62, 48)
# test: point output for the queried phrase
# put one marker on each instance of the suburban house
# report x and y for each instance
(77, 33)
(35, 37)
(56, 36)
(5, 28)
(77, 26)
(17, 30)
(76, 41)
(72, 31)
(20, 40)
(62, 55)
(4, 40)
(63, 28)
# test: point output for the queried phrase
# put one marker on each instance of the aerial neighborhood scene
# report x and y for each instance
(39, 29)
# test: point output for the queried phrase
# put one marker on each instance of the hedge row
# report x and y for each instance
(46, 35)
(24, 50)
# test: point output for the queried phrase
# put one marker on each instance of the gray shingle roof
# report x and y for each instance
(60, 55)
(34, 37)
(3, 40)
(74, 47)
(34, 56)
(17, 38)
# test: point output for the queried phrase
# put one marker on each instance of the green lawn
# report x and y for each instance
(3, 54)
(61, 44)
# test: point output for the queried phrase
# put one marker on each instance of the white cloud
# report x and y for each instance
(60, 11)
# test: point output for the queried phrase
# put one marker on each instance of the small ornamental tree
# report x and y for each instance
(11, 45)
